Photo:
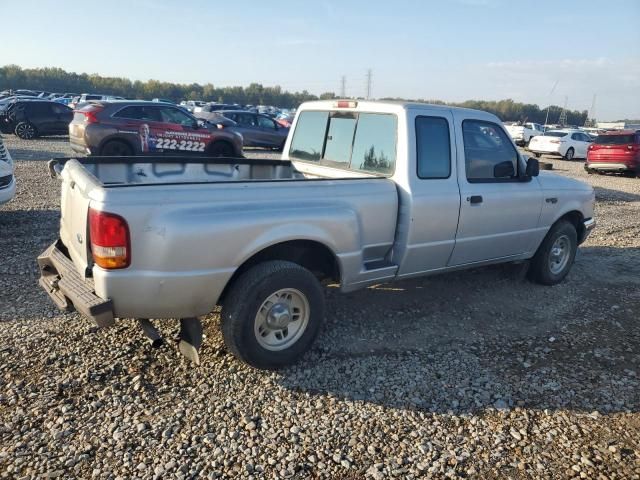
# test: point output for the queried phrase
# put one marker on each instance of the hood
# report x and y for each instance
(553, 181)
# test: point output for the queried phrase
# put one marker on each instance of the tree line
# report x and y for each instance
(59, 80)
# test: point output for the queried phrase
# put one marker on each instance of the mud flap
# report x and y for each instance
(190, 338)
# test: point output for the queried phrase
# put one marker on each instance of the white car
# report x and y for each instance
(567, 143)
(522, 134)
(7, 180)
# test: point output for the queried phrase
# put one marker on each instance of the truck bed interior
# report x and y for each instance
(122, 171)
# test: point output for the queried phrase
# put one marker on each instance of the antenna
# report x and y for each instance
(343, 87)
(369, 76)
(563, 114)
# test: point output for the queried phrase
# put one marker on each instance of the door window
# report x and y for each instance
(175, 116)
(486, 145)
(139, 112)
(433, 146)
(265, 122)
(246, 119)
(59, 109)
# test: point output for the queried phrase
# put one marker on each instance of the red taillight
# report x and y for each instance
(90, 113)
(110, 243)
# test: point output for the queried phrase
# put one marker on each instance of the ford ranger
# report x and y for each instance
(366, 192)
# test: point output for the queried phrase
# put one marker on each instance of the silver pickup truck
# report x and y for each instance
(366, 192)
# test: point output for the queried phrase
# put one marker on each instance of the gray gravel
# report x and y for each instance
(472, 375)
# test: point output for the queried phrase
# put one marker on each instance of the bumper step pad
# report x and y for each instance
(69, 290)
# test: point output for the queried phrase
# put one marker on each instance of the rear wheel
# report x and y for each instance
(116, 148)
(570, 154)
(221, 149)
(25, 130)
(555, 256)
(272, 314)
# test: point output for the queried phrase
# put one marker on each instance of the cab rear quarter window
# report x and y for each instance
(358, 141)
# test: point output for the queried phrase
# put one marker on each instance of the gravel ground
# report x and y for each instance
(476, 374)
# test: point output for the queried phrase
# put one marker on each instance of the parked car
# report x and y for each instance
(190, 105)
(615, 151)
(567, 143)
(367, 192)
(132, 127)
(65, 98)
(523, 133)
(31, 118)
(257, 130)
(214, 107)
(80, 101)
(285, 119)
(7, 179)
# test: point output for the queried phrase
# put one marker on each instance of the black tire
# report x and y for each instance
(116, 148)
(569, 154)
(537, 155)
(221, 149)
(26, 130)
(244, 300)
(540, 269)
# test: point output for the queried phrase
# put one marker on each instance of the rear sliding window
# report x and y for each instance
(615, 139)
(556, 134)
(356, 141)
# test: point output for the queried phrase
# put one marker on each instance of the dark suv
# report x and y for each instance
(31, 118)
(138, 127)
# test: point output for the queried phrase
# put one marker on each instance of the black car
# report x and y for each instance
(31, 118)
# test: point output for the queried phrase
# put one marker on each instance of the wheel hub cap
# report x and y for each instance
(279, 316)
(281, 319)
(559, 255)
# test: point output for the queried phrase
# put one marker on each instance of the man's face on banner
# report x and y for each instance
(144, 131)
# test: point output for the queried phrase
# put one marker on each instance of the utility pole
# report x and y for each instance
(369, 75)
(343, 87)
(591, 117)
(563, 114)
(546, 119)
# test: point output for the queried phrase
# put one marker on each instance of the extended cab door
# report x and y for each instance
(430, 208)
(499, 212)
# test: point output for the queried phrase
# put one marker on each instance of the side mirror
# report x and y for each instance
(533, 168)
(504, 169)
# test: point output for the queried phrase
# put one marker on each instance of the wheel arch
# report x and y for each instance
(576, 218)
(118, 138)
(313, 255)
(221, 141)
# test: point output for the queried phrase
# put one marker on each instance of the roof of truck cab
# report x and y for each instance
(405, 105)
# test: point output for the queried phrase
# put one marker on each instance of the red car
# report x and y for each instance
(615, 151)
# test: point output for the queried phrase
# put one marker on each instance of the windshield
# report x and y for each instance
(615, 139)
(556, 134)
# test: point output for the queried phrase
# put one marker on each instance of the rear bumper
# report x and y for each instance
(68, 289)
(612, 166)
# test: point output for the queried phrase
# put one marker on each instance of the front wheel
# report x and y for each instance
(556, 254)
(221, 149)
(26, 130)
(272, 314)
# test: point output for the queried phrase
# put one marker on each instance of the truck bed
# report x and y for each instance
(204, 218)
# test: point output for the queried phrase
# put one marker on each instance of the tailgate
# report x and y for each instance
(77, 183)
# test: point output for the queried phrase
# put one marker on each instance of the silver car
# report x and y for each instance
(257, 130)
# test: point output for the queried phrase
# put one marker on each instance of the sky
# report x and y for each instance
(531, 51)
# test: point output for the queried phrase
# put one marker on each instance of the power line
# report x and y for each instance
(369, 77)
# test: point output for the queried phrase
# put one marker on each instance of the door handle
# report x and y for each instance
(474, 199)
